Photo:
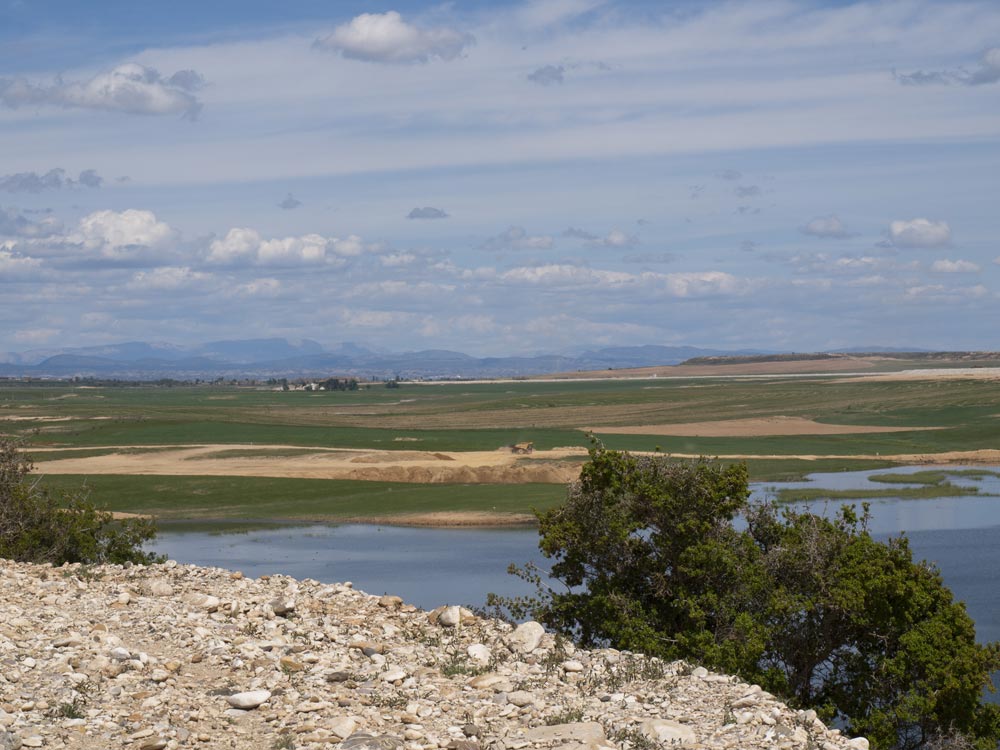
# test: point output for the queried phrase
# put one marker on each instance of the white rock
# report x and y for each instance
(248, 700)
(343, 727)
(668, 732)
(572, 666)
(521, 698)
(526, 637)
(161, 588)
(450, 617)
(480, 653)
(394, 674)
(859, 743)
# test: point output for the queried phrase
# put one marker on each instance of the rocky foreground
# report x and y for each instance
(170, 656)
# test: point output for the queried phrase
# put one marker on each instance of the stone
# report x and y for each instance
(282, 606)
(364, 741)
(572, 666)
(343, 727)
(249, 700)
(584, 732)
(153, 743)
(160, 587)
(394, 674)
(206, 602)
(288, 664)
(480, 653)
(668, 732)
(858, 743)
(526, 637)
(521, 698)
(390, 602)
(450, 617)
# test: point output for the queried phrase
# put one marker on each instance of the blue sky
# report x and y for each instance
(501, 177)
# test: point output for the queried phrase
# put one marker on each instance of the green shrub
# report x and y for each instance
(36, 526)
(811, 608)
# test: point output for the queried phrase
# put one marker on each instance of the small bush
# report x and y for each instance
(36, 526)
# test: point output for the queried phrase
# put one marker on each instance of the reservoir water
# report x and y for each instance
(429, 567)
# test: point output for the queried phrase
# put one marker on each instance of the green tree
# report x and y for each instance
(812, 608)
(37, 527)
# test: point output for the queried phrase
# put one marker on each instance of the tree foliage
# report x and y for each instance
(652, 558)
(38, 527)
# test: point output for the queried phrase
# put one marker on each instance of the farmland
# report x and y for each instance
(248, 452)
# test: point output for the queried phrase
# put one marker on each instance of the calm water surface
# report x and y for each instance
(429, 567)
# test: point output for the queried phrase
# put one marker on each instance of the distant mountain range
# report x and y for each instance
(277, 358)
(304, 358)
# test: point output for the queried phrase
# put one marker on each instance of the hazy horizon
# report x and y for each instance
(502, 177)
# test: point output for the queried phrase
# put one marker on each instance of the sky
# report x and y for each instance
(501, 177)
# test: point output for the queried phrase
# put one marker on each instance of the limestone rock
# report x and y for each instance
(526, 637)
(249, 700)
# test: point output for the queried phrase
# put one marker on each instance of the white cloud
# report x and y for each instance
(120, 235)
(54, 179)
(387, 38)
(247, 246)
(35, 336)
(618, 238)
(954, 266)
(168, 278)
(14, 224)
(131, 88)
(827, 227)
(396, 260)
(517, 238)
(987, 71)
(12, 266)
(918, 233)
(703, 284)
(556, 274)
(265, 287)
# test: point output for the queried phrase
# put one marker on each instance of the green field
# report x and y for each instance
(944, 415)
(264, 498)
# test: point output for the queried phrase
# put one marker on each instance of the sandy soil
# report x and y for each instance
(470, 467)
(756, 427)
(954, 373)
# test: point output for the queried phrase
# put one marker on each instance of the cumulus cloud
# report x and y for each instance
(829, 227)
(168, 278)
(54, 179)
(14, 224)
(617, 238)
(548, 75)
(702, 284)
(387, 38)
(290, 202)
(561, 274)
(517, 238)
(242, 246)
(427, 212)
(955, 266)
(986, 72)
(397, 260)
(919, 233)
(131, 88)
(121, 235)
